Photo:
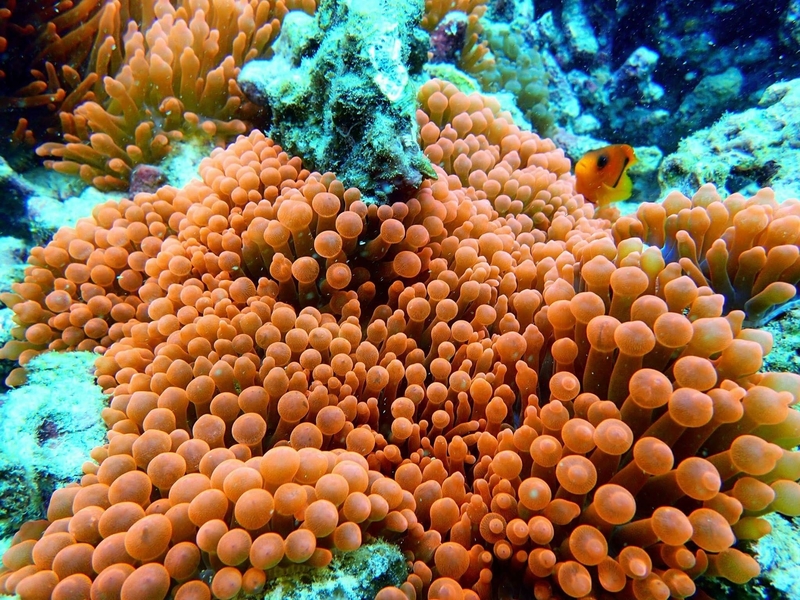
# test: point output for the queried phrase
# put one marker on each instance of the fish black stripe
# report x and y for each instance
(625, 164)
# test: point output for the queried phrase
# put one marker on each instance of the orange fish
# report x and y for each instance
(603, 174)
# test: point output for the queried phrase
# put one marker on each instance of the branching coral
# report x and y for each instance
(483, 373)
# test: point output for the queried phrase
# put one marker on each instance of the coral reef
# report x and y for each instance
(650, 73)
(522, 394)
(128, 81)
(346, 102)
(356, 575)
(383, 349)
(743, 151)
(50, 425)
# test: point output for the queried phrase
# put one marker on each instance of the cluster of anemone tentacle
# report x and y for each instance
(523, 397)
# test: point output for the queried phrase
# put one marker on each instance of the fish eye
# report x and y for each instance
(602, 161)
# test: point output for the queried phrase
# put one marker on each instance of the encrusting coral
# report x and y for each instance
(485, 374)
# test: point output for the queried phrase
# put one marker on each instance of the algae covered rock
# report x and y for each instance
(778, 556)
(340, 93)
(778, 553)
(743, 152)
(710, 98)
(14, 191)
(50, 425)
(785, 353)
(357, 575)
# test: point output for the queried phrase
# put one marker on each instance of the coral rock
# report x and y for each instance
(341, 96)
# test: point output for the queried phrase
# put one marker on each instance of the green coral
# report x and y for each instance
(356, 575)
(463, 81)
(520, 72)
(341, 93)
(49, 426)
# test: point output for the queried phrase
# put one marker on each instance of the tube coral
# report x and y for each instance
(484, 373)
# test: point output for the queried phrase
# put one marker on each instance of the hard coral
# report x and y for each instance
(483, 373)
